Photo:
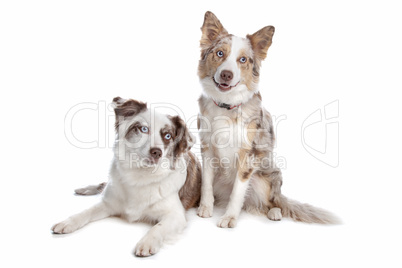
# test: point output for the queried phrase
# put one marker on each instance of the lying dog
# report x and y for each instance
(153, 177)
(234, 127)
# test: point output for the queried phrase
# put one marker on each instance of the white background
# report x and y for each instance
(57, 54)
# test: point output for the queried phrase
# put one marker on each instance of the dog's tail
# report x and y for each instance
(91, 189)
(305, 212)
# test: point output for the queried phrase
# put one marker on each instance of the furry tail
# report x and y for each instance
(91, 189)
(305, 212)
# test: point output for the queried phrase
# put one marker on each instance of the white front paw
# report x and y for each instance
(205, 211)
(146, 247)
(65, 227)
(227, 222)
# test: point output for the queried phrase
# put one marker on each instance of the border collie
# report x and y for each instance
(153, 176)
(236, 132)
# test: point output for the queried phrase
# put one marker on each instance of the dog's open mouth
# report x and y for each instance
(224, 87)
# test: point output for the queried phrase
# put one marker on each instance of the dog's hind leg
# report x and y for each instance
(291, 208)
(267, 187)
(91, 189)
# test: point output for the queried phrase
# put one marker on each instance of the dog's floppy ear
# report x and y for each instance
(183, 140)
(211, 30)
(261, 41)
(125, 108)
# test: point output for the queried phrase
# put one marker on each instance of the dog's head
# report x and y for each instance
(149, 138)
(229, 65)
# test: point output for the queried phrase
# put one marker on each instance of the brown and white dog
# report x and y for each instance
(153, 177)
(236, 132)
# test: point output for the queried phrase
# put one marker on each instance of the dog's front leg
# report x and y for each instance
(206, 207)
(229, 219)
(170, 224)
(75, 222)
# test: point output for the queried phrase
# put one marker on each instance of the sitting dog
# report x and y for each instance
(236, 132)
(153, 177)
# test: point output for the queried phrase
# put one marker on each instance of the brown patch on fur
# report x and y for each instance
(181, 136)
(214, 38)
(261, 41)
(210, 61)
(246, 69)
(251, 131)
(246, 174)
(243, 165)
(190, 193)
(101, 187)
(211, 29)
(257, 153)
(126, 108)
(249, 151)
(134, 127)
(167, 130)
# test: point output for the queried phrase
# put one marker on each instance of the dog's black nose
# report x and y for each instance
(226, 75)
(156, 153)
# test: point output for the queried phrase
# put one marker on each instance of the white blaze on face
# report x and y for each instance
(231, 62)
(158, 121)
(139, 144)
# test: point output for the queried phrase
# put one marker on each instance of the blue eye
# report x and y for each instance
(168, 136)
(144, 129)
(219, 53)
(243, 59)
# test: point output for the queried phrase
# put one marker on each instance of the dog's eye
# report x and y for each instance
(243, 59)
(219, 53)
(168, 136)
(144, 129)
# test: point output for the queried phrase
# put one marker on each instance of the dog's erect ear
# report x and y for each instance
(183, 140)
(211, 30)
(261, 41)
(125, 108)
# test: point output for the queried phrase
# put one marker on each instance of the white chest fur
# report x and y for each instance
(134, 194)
(225, 132)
